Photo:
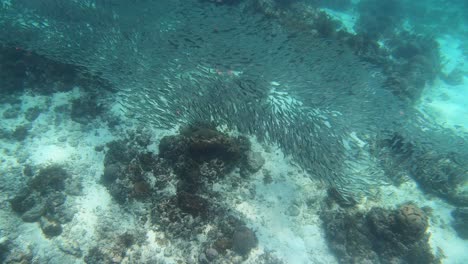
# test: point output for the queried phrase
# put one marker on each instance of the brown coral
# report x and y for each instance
(411, 220)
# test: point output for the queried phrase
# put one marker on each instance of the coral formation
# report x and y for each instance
(44, 200)
(21, 68)
(201, 153)
(175, 185)
(460, 221)
(302, 76)
(411, 221)
(378, 235)
(244, 240)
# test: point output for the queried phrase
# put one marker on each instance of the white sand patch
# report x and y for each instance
(348, 18)
(43, 154)
(294, 237)
(448, 104)
(83, 229)
(451, 53)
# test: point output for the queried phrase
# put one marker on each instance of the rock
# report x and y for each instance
(34, 213)
(255, 161)
(49, 179)
(202, 259)
(244, 240)
(32, 113)
(21, 132)
(211, 254)
(111, 173)
(293, 211)
(118, 153)
(460, 221)
(190, 260)
(24, 200)
(50, 228)
(168, 252)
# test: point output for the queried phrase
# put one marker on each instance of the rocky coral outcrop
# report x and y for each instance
(44, 200)
(175, 185)
(378, 235)
(411, 221)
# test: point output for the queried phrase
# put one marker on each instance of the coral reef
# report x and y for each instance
(378, 235)
(21, 132)
(21, 68)
(244, 240)
(44, 200)
(201, 153)
(176, 185)
(408, 60)
(411, 221)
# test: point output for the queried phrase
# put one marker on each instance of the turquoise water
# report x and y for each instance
(233, 131)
